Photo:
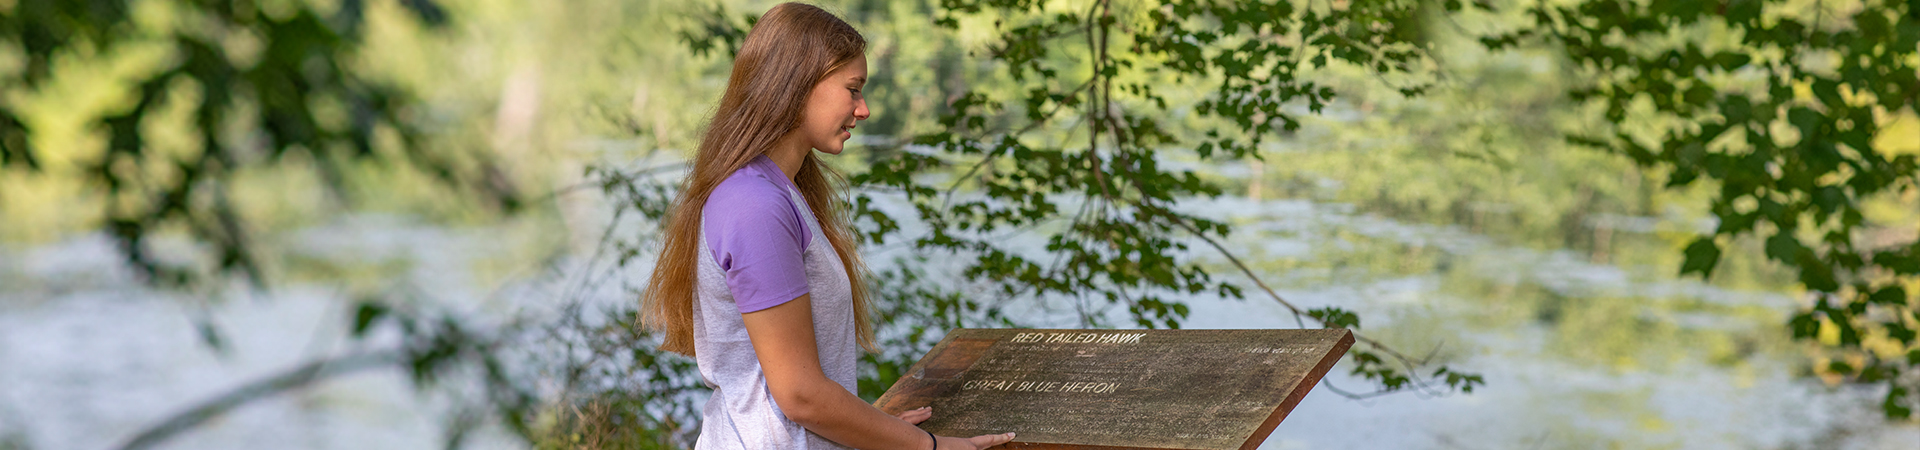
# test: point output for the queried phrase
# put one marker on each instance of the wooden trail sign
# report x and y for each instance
(1117, 389)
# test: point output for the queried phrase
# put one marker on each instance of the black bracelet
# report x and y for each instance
(936, 440)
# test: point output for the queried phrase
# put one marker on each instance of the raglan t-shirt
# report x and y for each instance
(761, 247)
(758, 235)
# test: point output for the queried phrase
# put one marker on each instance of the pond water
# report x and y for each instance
(1576, 354)
(89, 357)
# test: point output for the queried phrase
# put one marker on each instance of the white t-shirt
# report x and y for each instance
(741, 414)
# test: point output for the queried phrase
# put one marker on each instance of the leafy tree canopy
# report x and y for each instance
(1778, 106)
(264, 83)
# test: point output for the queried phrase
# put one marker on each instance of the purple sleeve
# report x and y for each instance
(755, 233)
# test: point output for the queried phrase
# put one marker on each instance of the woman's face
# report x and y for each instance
(834, 107)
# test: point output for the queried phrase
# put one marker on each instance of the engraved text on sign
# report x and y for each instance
(1172, 389)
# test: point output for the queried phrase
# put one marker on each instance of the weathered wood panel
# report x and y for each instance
(1117, 389)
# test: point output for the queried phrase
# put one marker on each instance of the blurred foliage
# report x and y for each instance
(195, 105)
(1780, 105)
(622, 393)
(256, 85)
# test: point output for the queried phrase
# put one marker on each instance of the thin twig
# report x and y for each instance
(1044, 118)
(1409, 362)
(568, 189)
(299, 377)
(1093, 120)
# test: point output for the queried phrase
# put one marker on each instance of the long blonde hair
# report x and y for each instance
(789, 50)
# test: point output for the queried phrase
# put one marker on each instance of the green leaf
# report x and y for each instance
(1334, 317)
(1816, 274)
(1699, 94)
(1849, 334)
(365, 315)
(1899, 331)
(1828, 91)
(1903, 262)
(210, 335)
(1783, 247)
(1736, 108)
(1807, 120)
(1895, 404)
(1702, 255)
(1805, 326)
(1840, 367)
(1731, 60)
(1890, 296)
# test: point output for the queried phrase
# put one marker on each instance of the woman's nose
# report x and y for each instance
(860, 111)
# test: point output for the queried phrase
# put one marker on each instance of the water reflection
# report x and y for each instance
(89, 357)
(1576, 354)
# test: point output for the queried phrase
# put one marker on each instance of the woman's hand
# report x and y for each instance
(917, 415)
(953, 443)
(972, 443)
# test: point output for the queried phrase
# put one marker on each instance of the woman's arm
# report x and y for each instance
(783, 341)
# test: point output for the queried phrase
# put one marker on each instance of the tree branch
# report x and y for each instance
(298, 377)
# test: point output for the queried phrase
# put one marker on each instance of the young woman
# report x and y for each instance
(759, 279)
